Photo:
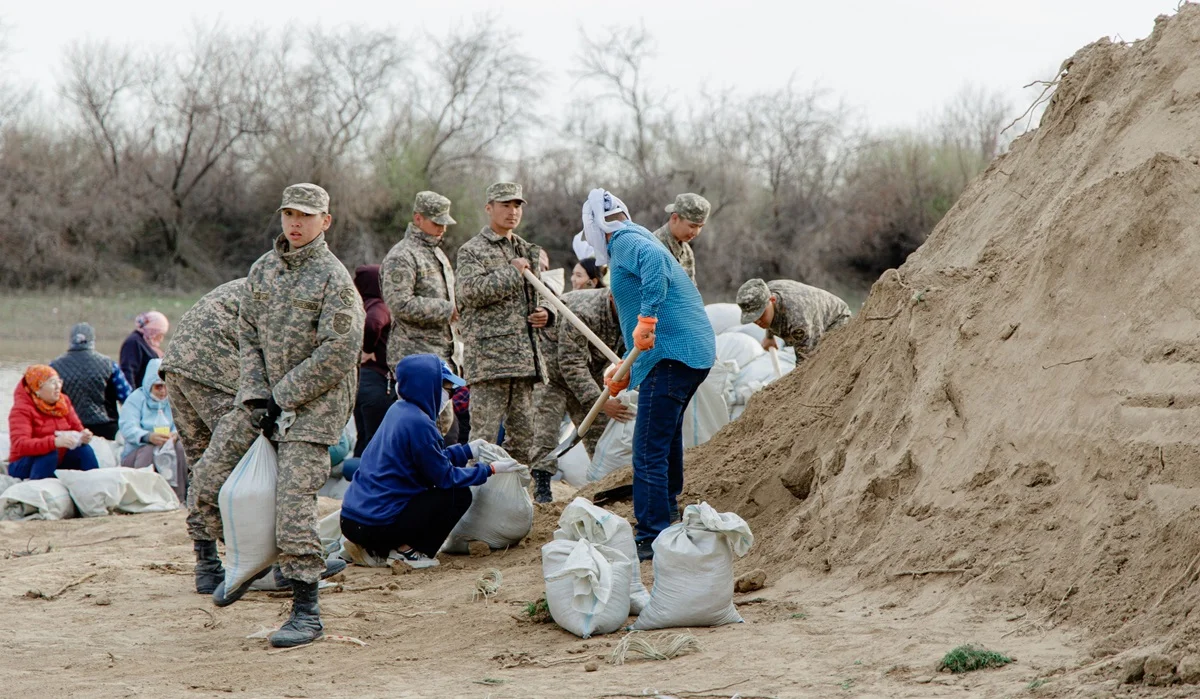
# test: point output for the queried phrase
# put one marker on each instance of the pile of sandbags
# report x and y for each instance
(41, 499)
(105, 491)
(583, 521)
(752, 367)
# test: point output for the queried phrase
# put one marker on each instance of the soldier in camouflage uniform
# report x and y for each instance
(798, 313)
(501, 313)
(301, 329)
(201, 370)
(689, 213)
(575, 376)
(418, 286)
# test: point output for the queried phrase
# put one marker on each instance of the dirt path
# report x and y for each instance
(137, 629)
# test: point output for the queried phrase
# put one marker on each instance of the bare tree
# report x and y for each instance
(204, 105)
(99, 79)
(971, 123)
(474, 96)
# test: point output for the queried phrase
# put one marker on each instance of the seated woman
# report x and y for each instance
(142, 345)
(147, 424)
(46, 433)
(410, 488)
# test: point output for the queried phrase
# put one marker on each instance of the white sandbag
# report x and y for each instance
(334, 488)
(108, 453)
(573, 466)
(615, 447)
(738, 347)
(723, 316)
(583, 521)
(587, 586)
(693, 570)
(501, 512)
(759, 334)
(46, 498)
(104, 491)
(247, 502)
(708, 410)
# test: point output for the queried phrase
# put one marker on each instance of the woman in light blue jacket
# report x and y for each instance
(147, 424)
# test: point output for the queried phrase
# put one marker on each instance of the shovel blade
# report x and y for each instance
(566, 446)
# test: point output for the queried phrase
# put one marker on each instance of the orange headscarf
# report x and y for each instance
(35, 377)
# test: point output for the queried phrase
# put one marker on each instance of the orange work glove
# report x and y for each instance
(643, 334)
(614, 386)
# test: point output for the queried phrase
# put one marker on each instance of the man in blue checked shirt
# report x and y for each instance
(662, 314)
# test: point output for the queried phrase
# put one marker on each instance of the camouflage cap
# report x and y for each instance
(752, 298)
(693, 207)
(505, 191)
(305, 197)
(434, 207)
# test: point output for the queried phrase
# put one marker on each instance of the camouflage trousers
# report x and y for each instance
(550, 402)
(196, 409)
(303, 469)
(509, 401)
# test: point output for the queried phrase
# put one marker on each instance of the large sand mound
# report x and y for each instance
(1022, 398)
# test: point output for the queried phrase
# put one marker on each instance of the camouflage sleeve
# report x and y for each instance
(252, 382)
(574, 354)
(398, 282)
(477, 287)
(339, 338)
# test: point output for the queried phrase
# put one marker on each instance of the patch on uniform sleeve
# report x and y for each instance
(342, 322)
(347, 296)
(261, 296)
(396, 277)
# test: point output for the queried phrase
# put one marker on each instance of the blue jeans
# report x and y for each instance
(658, 444)
(35, 468)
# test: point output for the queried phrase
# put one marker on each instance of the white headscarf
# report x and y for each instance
(599, 204)
(582, 248)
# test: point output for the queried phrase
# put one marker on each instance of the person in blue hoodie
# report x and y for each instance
(146, 423)
(410, 489)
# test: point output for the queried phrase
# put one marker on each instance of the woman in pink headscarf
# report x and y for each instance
(142, 345)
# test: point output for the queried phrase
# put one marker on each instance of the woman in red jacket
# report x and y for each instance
(46, 433)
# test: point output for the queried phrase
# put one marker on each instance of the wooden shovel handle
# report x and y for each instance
(622, 372)
(570, 316)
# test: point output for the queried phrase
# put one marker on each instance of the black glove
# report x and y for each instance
(264, 414)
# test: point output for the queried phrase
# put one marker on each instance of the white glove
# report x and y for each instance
(474, 444)
(506, 466)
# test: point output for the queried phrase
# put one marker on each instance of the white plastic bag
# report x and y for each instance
(46, 498)
(329, 528)
(104, 491)
(708, 411)
(615, 448)
(501, 512)
(587, 586)
(247, 502)
(723, 316)
(583, 521)
(693, 570)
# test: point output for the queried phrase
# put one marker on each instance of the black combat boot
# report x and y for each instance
(304, 626)
(541, 487)
(209, 572)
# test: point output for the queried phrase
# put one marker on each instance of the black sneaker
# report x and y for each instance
(645, 549)
(413, 558)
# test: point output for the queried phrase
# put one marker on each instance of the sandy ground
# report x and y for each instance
(137, 628)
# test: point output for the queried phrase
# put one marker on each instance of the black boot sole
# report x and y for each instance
(224, 600)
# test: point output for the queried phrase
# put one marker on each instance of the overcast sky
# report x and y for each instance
(896, 61)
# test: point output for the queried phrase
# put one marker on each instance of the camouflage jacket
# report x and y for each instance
(804, 313)
(204, 345)
(418, 285)
(572, 361)
(682, 252)
(301, 330)
(495, 301)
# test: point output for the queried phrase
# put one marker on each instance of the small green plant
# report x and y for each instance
(488, 681)
(1040, 682)
(966, 658)
(846, 684)
(539, 611)
(799, 616)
